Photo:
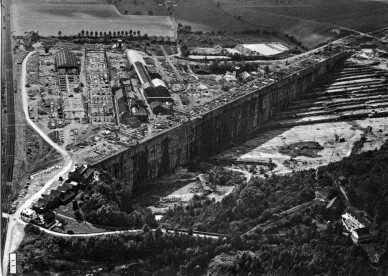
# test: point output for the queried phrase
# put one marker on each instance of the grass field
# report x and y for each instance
(70, 18)
(143, 6)
(362, 16)
(204, 15)
(310, 21)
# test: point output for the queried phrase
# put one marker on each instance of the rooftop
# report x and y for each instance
(65, 58)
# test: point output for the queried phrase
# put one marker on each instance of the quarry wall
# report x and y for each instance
(208, 134)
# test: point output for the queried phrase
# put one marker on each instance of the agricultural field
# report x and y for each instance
(143, 7)
(361, 16)
(203, 15)
(70, 19)
(311, 21)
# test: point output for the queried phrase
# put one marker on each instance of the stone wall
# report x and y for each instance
(208, 134)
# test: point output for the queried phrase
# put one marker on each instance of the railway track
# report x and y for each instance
(8, 129)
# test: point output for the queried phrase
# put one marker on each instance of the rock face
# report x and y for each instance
(210, 133)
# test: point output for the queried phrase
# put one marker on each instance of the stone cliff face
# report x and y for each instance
(208, 134)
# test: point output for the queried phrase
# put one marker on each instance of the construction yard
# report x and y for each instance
(104, 109)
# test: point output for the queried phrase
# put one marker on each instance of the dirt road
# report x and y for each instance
(15, 231)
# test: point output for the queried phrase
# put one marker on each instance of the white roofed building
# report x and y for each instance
(134, 56)
(158, 82)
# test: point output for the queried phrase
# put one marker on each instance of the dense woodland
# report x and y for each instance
(108, 203)
(300, 244)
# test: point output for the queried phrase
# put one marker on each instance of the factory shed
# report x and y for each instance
(66, 62)
(159, 93)
(142, 74)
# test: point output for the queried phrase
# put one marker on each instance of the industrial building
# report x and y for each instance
(159, 93)
(360, 225)
(66, 62)
(122, 103)
(153, 89)
(142, 74)
(133, 57)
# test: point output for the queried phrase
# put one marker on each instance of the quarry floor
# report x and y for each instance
(266, 146)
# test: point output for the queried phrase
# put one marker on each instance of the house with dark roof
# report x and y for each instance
(66, 197)
(66, 62)
(87, 177)
(77, 172)
(70, 186)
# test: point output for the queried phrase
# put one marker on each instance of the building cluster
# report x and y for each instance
(81, 177)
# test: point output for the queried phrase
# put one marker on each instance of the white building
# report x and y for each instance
(134, 56)
(28, 215)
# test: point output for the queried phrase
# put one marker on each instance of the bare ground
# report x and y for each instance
(267, 146)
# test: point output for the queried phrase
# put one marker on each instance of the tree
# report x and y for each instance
(266, 70)
(82, 32)
(138, 33)
(145, 228)
(59, 33)
(75, 205)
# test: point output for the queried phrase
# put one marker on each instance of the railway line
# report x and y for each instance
(7, 117)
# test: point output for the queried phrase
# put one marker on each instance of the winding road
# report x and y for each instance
(15, 231)
(16, 226)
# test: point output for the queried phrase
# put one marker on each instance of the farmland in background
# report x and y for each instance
(71, 18)
(204, 15)
(142, 6)
(311, 21)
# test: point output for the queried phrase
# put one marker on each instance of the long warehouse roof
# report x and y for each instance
(142, 73)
